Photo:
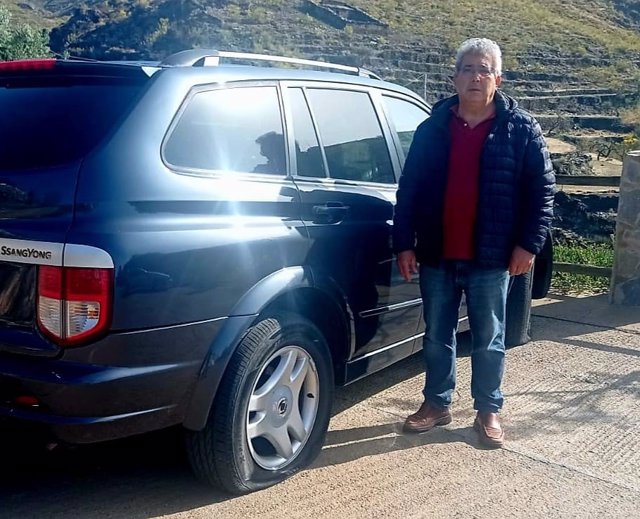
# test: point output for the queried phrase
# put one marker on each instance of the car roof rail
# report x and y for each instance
(211, 58)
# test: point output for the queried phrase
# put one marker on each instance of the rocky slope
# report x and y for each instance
(576, 84)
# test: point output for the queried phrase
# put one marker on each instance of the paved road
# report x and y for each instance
(573, 428)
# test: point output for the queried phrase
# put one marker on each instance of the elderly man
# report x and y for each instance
(474, 203)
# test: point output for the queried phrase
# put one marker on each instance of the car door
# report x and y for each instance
(211, 217)
(404, 115)
(346, 176)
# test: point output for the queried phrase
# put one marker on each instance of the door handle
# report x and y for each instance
(331, 212)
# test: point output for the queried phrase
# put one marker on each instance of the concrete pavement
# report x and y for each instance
(573, 428)
(572, 415)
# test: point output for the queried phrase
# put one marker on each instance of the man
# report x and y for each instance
(272, 148)
(474, 203)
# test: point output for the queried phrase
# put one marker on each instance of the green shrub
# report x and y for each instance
(596, 254)
(18, 41)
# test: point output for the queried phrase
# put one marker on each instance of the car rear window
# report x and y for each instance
(48, 122)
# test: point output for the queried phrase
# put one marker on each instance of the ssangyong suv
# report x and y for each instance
(206, 245)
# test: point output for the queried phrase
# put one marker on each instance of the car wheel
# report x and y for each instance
(518, 321)
(272, 409)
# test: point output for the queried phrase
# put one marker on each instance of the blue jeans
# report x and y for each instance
(486, 296)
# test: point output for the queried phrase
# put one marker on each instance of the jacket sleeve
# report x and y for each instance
(538, 192)
(404, 229)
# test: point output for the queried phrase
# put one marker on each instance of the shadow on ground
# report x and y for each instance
(592, 310)
(348, 445)
(571, 393)
(137, 477)
(149, 475)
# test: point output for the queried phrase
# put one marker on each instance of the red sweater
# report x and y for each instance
(461, 196)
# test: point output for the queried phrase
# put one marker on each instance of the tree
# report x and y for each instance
(22, 40)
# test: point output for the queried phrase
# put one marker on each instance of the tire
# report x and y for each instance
(243, 448)
(518, 319)
(543, 270)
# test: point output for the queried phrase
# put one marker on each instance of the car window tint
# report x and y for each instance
(232, 129)
(405, 117)
(351, 135)
(51, 121)
(308, 155)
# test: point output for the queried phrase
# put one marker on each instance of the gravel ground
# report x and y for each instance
(572, 416)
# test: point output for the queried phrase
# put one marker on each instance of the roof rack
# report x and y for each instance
(211, 58)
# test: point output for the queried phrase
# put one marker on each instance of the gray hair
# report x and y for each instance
(483, 46)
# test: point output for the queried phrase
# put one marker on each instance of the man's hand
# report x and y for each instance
(407, 264)
(521, 261)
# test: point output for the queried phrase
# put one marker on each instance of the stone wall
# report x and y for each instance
(625, 281)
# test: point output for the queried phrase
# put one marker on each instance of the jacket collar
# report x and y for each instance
(441, 111)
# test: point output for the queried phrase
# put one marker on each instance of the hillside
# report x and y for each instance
(574, 63)
(33, 13)
(600, 38)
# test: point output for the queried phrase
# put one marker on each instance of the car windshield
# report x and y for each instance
(52, 121)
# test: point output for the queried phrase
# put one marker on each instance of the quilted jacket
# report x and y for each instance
(516, 187)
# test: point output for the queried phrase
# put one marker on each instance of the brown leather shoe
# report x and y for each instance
(427, 417)
(489, 430)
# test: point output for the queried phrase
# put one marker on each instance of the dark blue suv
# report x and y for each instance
(187, 243)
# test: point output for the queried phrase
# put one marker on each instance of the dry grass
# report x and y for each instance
(568, 27)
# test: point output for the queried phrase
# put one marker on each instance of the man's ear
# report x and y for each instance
(498, 80)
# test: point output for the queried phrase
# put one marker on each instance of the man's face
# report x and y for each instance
(476, 81)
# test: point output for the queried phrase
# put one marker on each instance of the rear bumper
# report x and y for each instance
(125, 384)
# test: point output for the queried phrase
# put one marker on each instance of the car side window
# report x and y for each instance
(406, 117)
(308, 156)
(351, 135)
(232, 129)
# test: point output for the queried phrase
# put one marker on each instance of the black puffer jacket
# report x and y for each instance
(516, 187)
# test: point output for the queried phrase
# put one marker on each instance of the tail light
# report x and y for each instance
(74, 304)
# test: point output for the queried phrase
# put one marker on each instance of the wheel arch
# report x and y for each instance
(293, 289)
(332, 317)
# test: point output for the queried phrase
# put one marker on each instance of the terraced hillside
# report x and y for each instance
(574, 63)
